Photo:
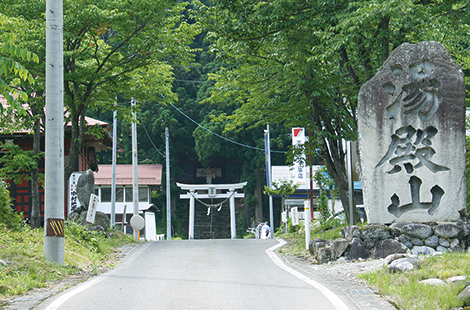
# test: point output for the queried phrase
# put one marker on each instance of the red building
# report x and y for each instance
(21, 193)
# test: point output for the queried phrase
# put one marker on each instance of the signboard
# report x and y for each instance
(284, 217)
(73, 202)
(90, 216)
(212, 192)
(150, 226)
(300, 171)
(294, 214)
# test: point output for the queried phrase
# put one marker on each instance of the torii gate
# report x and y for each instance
(226, 191)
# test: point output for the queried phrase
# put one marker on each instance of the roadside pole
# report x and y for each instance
(350, 182)
(113, 182)
(54, 136)
(267, 150)
(135, 176)
(168, 185)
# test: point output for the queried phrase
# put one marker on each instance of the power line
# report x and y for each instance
(148, 136)
(222, 137)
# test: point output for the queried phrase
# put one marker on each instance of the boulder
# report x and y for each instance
(457, 245)
(447, 230)
(441, 249)
(417, 241)
(417, 230)
(432, 241)
(406, 241)
(325, 254)
(457, 280)
(386, 247)
(358, 250)
(350, 232)
(340, 246)
(465, 294)
(314, 244)
(443, 242)
(375, 232)
(392, 257)
(101, 219)
(422, 250)
(433, 282)
(403, 264)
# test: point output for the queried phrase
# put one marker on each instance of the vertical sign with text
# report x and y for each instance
(298, 139)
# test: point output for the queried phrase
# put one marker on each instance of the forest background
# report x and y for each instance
(232, 67)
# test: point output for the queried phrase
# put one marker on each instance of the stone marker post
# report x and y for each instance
(411, 126)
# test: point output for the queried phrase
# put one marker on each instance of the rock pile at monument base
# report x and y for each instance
(379, 241)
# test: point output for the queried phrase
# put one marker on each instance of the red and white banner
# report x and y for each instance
(300, 171)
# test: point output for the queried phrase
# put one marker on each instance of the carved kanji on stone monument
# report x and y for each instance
(411, 123)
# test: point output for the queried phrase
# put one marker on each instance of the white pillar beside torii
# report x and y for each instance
(217, 191)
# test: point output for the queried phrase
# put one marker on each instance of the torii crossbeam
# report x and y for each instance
(223, 191)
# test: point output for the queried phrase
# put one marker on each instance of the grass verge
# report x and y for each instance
(24, 267)
(408, 293)
(403, 289)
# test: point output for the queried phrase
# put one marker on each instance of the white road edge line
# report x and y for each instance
(332, 297)
(62, 299)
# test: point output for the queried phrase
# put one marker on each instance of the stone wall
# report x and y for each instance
(379, 241)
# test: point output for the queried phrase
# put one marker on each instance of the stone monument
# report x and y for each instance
(85, 187)
(411, 144)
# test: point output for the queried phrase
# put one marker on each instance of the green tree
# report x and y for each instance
(110, 47)
(302, 63)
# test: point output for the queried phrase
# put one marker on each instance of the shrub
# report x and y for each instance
(8, 217)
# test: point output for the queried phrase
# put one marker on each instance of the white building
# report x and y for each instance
(149, 177)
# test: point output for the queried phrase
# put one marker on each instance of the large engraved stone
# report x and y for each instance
(411, 144)
(85, 187)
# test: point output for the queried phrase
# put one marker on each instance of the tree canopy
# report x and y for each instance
(301, 63)
(112, 47)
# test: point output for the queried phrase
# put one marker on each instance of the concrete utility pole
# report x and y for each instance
(267, 150)
(135, 176)
(54, 157)
(168, 185)
(113, 182)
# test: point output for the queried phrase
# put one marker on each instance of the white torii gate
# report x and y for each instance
(226, 191)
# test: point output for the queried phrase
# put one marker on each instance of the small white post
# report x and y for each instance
(191, 214)
(233, 227)
(307, 223)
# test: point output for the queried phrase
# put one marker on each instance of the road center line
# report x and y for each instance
(332, 297)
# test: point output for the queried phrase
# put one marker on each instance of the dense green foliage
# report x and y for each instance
(8, 217)
(108, 52)
(302, 63)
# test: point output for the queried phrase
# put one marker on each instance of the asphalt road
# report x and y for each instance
(201, 274)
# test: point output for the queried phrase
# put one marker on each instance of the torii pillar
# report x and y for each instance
(218, 191)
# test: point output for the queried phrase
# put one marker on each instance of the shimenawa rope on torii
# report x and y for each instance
(209, 206)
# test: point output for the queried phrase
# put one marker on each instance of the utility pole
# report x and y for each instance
(54, 139)
(267, 150)
(113, 182)
(135, 176)
(168, 185)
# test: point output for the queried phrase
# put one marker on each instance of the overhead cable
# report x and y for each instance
(152, 141)
(222, 137)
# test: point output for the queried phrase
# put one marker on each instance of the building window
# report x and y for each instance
(143, 194)
(119, 194)
(105, 194)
